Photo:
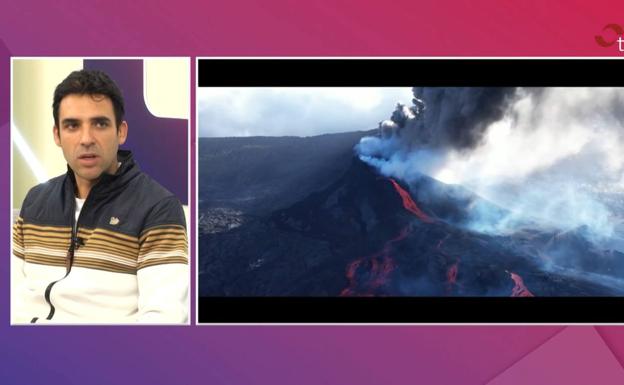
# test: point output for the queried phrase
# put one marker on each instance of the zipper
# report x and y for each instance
(69, 258)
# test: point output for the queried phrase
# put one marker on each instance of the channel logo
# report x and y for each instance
(611, 34)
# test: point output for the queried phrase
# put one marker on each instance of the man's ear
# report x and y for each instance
(122, 132)
(57, 135)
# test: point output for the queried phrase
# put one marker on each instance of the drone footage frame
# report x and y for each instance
(494, 195)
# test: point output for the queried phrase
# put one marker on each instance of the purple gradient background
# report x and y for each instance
(159, 144)
(500, 355)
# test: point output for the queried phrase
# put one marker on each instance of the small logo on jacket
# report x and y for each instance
(114, 221)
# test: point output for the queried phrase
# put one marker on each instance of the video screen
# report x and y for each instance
(415, 191)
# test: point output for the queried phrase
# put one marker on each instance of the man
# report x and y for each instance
(103, 243)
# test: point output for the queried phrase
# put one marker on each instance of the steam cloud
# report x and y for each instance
(552, 157)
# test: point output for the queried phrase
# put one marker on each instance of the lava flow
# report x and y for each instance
(519, 290)
(409, 203)
(380, 265)
(451, 272)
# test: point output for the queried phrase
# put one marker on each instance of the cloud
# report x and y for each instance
(576, 131)
(296, 111)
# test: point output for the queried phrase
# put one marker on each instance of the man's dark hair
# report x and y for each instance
(89, 82)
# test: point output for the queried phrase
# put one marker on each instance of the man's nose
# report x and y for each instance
(86, 136)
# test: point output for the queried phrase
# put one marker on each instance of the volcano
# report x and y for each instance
(336, 227)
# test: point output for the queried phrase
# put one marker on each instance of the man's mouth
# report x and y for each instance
(87, 159)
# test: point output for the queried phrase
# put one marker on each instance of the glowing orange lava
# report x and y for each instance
(453, 269)
(451, 274)
(409, 203)
(519, 290)
(376, 268)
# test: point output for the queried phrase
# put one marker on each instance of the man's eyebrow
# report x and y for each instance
(70, 120)
(100, 119)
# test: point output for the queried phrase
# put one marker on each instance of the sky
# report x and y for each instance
(294, 111)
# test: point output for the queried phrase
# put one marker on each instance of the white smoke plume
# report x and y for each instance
(552, 156)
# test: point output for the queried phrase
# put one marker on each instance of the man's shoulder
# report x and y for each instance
(162, 205)
(149, 189)
(44, 202)
(45, 190)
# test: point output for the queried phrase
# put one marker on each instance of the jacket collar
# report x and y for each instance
(108, 183)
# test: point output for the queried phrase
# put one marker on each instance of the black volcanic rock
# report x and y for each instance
(349, 210)
(358, 234)
(257, 175)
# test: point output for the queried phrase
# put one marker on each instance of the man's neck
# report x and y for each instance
(83, 187)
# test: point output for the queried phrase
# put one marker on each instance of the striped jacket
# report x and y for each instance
(124, 261)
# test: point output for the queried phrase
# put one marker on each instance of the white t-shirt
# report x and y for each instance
(79, 204)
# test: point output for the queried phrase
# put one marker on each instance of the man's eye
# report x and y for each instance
(101, 124)
(71, 126)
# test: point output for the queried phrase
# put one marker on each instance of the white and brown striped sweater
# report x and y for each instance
(124, 261)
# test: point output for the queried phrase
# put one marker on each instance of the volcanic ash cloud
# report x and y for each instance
(547, 155)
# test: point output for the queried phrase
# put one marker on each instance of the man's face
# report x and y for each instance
(88, 135)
